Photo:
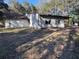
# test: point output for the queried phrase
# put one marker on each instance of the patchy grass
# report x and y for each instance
(14, 30)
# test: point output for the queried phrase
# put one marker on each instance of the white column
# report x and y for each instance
(31, 20)
(53, 23)
(6, 24)
(38, 21)
(61, 25)
(34, 21)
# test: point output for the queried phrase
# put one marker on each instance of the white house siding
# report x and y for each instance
(53, 23)
(38, 22)
(34, 21)
(16, 23)
(62, 24)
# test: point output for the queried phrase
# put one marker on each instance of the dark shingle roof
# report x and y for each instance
(15, 16)
(49, 16)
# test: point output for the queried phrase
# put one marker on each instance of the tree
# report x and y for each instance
(3, 7)
(64, 5)
(27, 6)
(15, 6)
(20, 8)
(33, 9)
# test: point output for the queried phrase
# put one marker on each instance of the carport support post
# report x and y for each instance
(70, 21)
(31, 25)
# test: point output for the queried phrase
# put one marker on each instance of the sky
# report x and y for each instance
(34, 2)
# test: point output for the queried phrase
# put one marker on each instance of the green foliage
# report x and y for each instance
(33, 8)
(61, 4)
(46, 7)
(20, 8)
(3, 5)
(23, 8)
(27, 7)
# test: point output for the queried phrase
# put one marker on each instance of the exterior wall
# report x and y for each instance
(37, 25)
(53, 23)
(34, 21)
(43, 23)
(62, 24)
(16, 23)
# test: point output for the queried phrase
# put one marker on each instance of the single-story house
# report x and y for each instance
(47, 20)
(54, 20)
(14, 20)
(37, 21)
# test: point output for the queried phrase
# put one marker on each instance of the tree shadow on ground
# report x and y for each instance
(58, 49)
(10, 41)
(70, 48)
(61, 49)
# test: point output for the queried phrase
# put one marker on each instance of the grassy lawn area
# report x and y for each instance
(14, 30)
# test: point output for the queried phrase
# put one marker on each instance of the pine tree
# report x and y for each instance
(3, 8)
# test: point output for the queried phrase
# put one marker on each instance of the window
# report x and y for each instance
(47, 22)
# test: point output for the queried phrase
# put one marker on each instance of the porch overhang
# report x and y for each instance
(48, 16)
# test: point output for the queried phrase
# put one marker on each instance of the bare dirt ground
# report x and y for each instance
(39, 44)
